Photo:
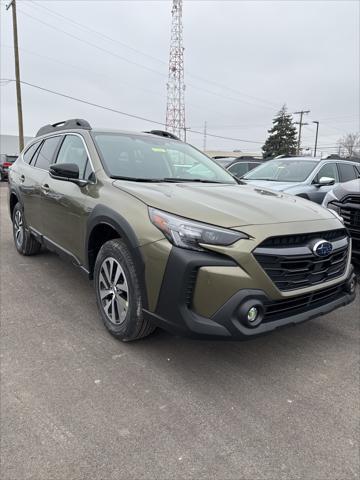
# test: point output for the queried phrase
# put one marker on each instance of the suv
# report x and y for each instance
(345, 200)
(208, 257)
(305, 177)
(6, 162)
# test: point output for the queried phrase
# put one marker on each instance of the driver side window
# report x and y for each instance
(329, 170)
(72, 150)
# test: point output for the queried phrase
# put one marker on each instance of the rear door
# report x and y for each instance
(347, 172)
(65, 202)
(29, 179)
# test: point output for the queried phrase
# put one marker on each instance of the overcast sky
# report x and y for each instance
(243, 60)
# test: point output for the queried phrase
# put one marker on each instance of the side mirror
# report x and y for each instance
(325, 181)
(67, 172)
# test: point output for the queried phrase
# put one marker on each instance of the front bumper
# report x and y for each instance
(175, 310)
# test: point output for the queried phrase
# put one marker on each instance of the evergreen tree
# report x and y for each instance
(282, 139)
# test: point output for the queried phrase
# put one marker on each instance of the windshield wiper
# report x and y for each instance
(136, 179)
(166, 179)
(262, 179)
(202, 180)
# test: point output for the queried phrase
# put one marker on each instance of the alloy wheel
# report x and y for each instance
(19, 228)
(113, 290)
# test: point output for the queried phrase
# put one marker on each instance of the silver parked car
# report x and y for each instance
(305, 177)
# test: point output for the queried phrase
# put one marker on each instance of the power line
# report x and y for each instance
(113, 110)
(135, 63)
(92, 44)
(155, 71)
(107, 37)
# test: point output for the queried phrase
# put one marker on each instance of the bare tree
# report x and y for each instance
(350, 144)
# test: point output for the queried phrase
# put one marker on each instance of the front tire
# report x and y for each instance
(118, 292)
(25, 243)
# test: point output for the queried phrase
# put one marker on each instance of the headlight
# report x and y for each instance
(188, 234)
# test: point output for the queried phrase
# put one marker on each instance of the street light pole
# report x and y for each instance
(17, 74)
(316, 136)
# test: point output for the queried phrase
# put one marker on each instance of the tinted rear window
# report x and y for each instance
(46, 154)
(347, 172)
(29, 153)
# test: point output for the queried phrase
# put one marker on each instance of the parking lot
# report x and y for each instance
(78, 404)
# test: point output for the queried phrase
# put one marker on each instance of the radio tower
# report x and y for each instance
(175, 107)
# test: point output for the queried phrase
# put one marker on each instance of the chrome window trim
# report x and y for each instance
(60, 135)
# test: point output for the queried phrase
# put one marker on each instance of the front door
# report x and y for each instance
(317, 193)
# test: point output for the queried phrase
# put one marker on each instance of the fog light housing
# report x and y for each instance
(251, 313)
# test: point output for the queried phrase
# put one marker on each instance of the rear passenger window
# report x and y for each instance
(46, 154)
(29, 154)
(347, 172)
(73, 150)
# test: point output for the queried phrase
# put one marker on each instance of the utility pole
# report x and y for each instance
(316, 136)
(17, 74)
(301, 123)
(205, 134)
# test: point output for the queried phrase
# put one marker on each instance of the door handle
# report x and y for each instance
(45, 188)
(22, 178)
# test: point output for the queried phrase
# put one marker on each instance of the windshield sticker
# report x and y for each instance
(158, 149)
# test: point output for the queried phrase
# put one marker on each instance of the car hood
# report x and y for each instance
(278, 186)
(225, 205)
(352, 187)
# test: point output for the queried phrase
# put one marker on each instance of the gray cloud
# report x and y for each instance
(303, 53)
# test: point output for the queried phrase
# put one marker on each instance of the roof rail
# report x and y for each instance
(163, 133)
(64, 125)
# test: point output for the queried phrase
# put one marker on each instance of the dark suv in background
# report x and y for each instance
(5, 163)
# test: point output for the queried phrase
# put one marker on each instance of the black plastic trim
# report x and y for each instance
(174, 314)
(74, 123)
(105, 215)
(174, 301)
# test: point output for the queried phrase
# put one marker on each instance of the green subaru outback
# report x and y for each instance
(173, 240)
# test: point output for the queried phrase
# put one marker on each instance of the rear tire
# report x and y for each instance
(118, 292)
(25, 243)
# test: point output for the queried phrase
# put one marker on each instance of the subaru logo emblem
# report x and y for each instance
(322, 248)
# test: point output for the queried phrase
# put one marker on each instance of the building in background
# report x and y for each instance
(9, 144)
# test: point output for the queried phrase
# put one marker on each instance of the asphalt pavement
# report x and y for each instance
(78, 404)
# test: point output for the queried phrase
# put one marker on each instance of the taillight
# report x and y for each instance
(7, 164)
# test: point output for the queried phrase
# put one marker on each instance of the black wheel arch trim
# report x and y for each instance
(102, 214)
(13, 190)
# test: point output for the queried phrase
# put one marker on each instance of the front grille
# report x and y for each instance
(303, 238)
(293, 267)
(302, 303)
(350, 211)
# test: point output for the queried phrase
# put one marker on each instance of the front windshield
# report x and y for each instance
(146, 158)
(282, 170)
